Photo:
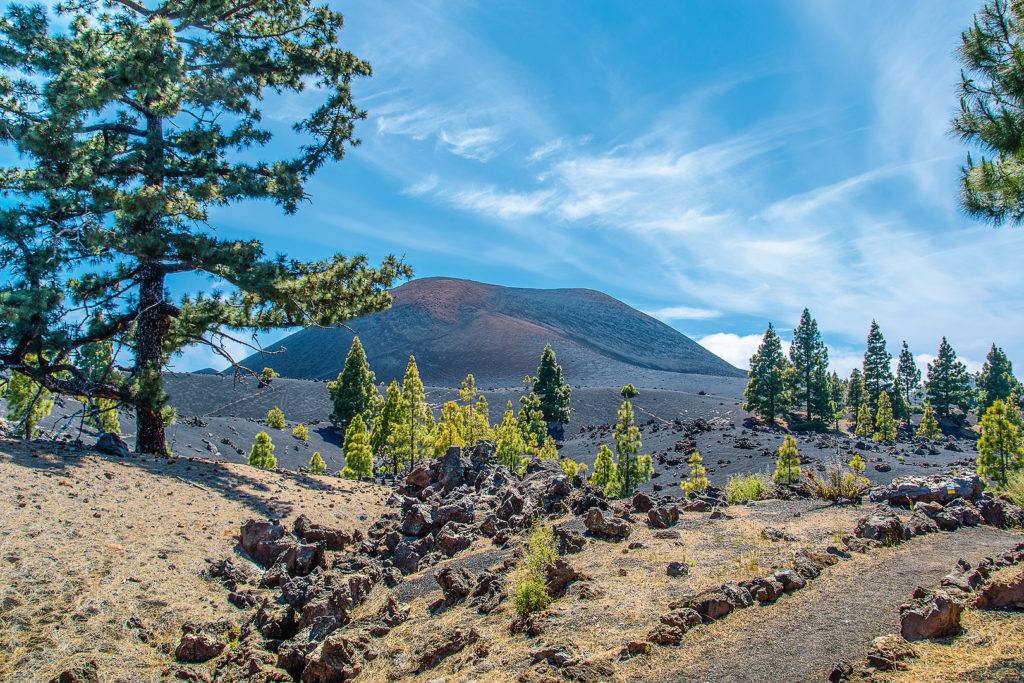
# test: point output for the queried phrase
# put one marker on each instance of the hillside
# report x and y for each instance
(455, 327)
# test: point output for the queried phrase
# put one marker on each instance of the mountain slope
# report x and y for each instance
(455, 327)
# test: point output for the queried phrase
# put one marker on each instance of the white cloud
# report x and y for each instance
(505, 205)
(473, 143)
(733, 348)
(425, 186)
(683, 313)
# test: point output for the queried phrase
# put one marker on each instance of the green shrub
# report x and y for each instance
(787, 467)
(531, 596)
(857, 464)
(530, 593)
(747, 487)
(267, 375)
(262, 453)
(573, 468)
(317, 464)
(301, 432)
(275, 418)
(815, 425)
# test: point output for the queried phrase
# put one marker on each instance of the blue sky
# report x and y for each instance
(720, 165)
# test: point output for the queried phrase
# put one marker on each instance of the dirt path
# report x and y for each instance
(801, 637)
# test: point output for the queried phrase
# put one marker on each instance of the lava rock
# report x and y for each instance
(932, 615)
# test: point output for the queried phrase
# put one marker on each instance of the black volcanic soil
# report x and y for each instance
(221, 415)
(456, 327)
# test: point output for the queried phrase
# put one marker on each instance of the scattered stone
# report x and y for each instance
(642, 502)
(773, 534)
(111, 444)
(1001, 513)
(938, 488)
(558, 575)
(678, 569)
(196, 647)
(931, 614)
(790, 580)
(569, 541)
(85, 673)
(840, 672)
(881, 525)
(444, 646)
(333, 660)
(663, 517)
(456, 584)
(1002, 594)
(613, 529)
(888, 652)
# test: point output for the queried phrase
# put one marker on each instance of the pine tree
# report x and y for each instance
(996, 381)
(949, 384)
(992, 86)
(766, 393)
(929, 428)
(633, 469)
(855, 393)
(131, 121)
(1013, 414)
(697, 480)
(474, 421)
(865, 423)
(317, 464)
(354, 392)
(358, 455)
(809, 357)
(885, 423)
(262, 453)
(553, 392)
(446, 432)
(531, 419)
(275, 418)
(606, 473)
(385, 428)
(28, 402)
(549, 450)
(909, 377)
(787, 467)
(823, 408)
(837, 394)
(999, 446)
(412, 434)
(629, 391)
(857, 464)
(301, 432)
(509, 445)
(877, 368)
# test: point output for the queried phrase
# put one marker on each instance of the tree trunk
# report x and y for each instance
(150, 333)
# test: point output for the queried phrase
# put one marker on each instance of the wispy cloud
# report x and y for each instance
(671, 313)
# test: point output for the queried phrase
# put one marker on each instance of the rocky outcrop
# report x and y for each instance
(936, 488)
(887, 653)
(196, 646)
(1003, 593)
(445, 645)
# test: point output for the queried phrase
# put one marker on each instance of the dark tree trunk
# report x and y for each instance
(154, 323)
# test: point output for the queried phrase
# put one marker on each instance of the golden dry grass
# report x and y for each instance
(89, 542)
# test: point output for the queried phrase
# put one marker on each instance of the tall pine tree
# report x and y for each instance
(385, 428)
(999, 447)
(358, 454)
(909, 377)
(949, 384)
(412, 433)
(877, 368)
(766, 393)
(354, 392)
(634, 469)
(131, 121)
(809, 357)
(553, 392)
(996, 381)
(855, 393)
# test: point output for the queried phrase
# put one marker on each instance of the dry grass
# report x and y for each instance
(88, 543)
(990, 649)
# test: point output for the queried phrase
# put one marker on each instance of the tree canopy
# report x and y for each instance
(766, 392)
(553, 392)
(131, 121)
(949, 384)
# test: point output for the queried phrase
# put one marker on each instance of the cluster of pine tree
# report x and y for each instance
(875, 399)
(400, 428)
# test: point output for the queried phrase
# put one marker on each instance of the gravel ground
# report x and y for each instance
(803, 635)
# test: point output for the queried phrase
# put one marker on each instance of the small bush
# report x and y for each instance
(531, 596)
(317, 464)
(629, 391)
(267, 375)
(837, 485)
(747, 487)
(812, 426)
(301, 432)
(697, 481)
(857, 464)
(275, 418)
